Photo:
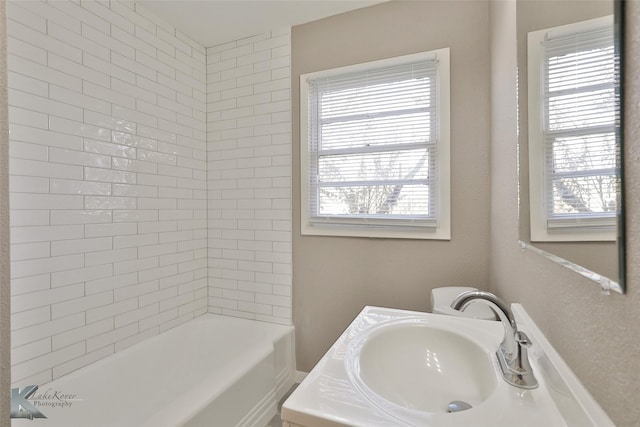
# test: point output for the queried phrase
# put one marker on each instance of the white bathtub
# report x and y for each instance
(212, 371)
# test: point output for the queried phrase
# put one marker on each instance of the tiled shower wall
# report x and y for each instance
(108, 181)
(249, 177)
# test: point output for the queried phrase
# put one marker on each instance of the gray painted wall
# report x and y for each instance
(335, 277)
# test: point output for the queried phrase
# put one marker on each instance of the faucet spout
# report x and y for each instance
(512, 354)
(462, 301)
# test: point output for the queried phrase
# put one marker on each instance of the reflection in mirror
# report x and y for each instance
(569, 140)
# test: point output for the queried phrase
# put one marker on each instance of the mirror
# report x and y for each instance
(571, 207)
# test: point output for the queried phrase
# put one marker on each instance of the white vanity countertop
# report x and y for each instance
(327, 397)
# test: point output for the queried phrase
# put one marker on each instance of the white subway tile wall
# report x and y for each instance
(108, 182)
(249, 177)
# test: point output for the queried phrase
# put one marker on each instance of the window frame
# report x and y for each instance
(542, 228)
(440, 229)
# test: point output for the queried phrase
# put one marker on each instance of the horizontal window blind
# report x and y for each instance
(579, 108)
(373, 146)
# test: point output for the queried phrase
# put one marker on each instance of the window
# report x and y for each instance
(375, 149)
(572, 132)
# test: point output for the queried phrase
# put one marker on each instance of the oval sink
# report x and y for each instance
(410, 368)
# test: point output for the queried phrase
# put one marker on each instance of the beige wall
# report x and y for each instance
(335, 277)
(597, 335)
(5, 330)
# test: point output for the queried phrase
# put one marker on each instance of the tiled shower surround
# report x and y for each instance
(249, 177)
(150, 181)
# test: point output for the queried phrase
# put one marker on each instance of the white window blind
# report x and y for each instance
(578, 128)
(580, 115)
(373, 146)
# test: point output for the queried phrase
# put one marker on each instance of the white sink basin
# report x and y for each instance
(409, 367)
(403, 368)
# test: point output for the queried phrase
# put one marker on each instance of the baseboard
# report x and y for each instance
(262, 413)
(284, 381)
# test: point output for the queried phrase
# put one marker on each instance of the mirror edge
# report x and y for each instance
(607, 285)
(619, 31)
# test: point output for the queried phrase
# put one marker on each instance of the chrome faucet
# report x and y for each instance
(512, 353)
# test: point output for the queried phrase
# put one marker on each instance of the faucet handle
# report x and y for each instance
(516, 369)
(522, 339)
(520, 367)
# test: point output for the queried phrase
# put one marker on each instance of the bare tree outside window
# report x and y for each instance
(580, 132)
